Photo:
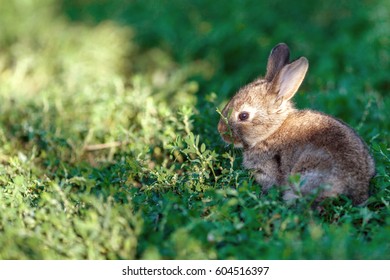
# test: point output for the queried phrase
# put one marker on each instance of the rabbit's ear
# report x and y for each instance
(278, 58)
(290, 78)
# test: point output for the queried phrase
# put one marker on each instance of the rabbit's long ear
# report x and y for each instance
(278, 58)
(288, 80)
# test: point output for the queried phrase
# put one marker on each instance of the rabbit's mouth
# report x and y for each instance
(236, 143)
(231, 140)
(228, 135)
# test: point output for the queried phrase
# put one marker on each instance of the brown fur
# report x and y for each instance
(279, 140)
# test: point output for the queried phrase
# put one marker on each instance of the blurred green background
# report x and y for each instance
(108, 140)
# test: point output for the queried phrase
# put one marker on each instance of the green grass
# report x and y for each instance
(145, 78)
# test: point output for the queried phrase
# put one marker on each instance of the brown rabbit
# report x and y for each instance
(279, 140)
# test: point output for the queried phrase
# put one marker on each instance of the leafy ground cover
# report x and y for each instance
(108, 141)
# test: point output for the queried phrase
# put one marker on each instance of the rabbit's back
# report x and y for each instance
(324, 150)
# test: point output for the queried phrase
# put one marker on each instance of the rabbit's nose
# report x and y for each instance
(221, 126)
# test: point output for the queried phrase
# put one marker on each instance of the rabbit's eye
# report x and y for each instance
(243, 116)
